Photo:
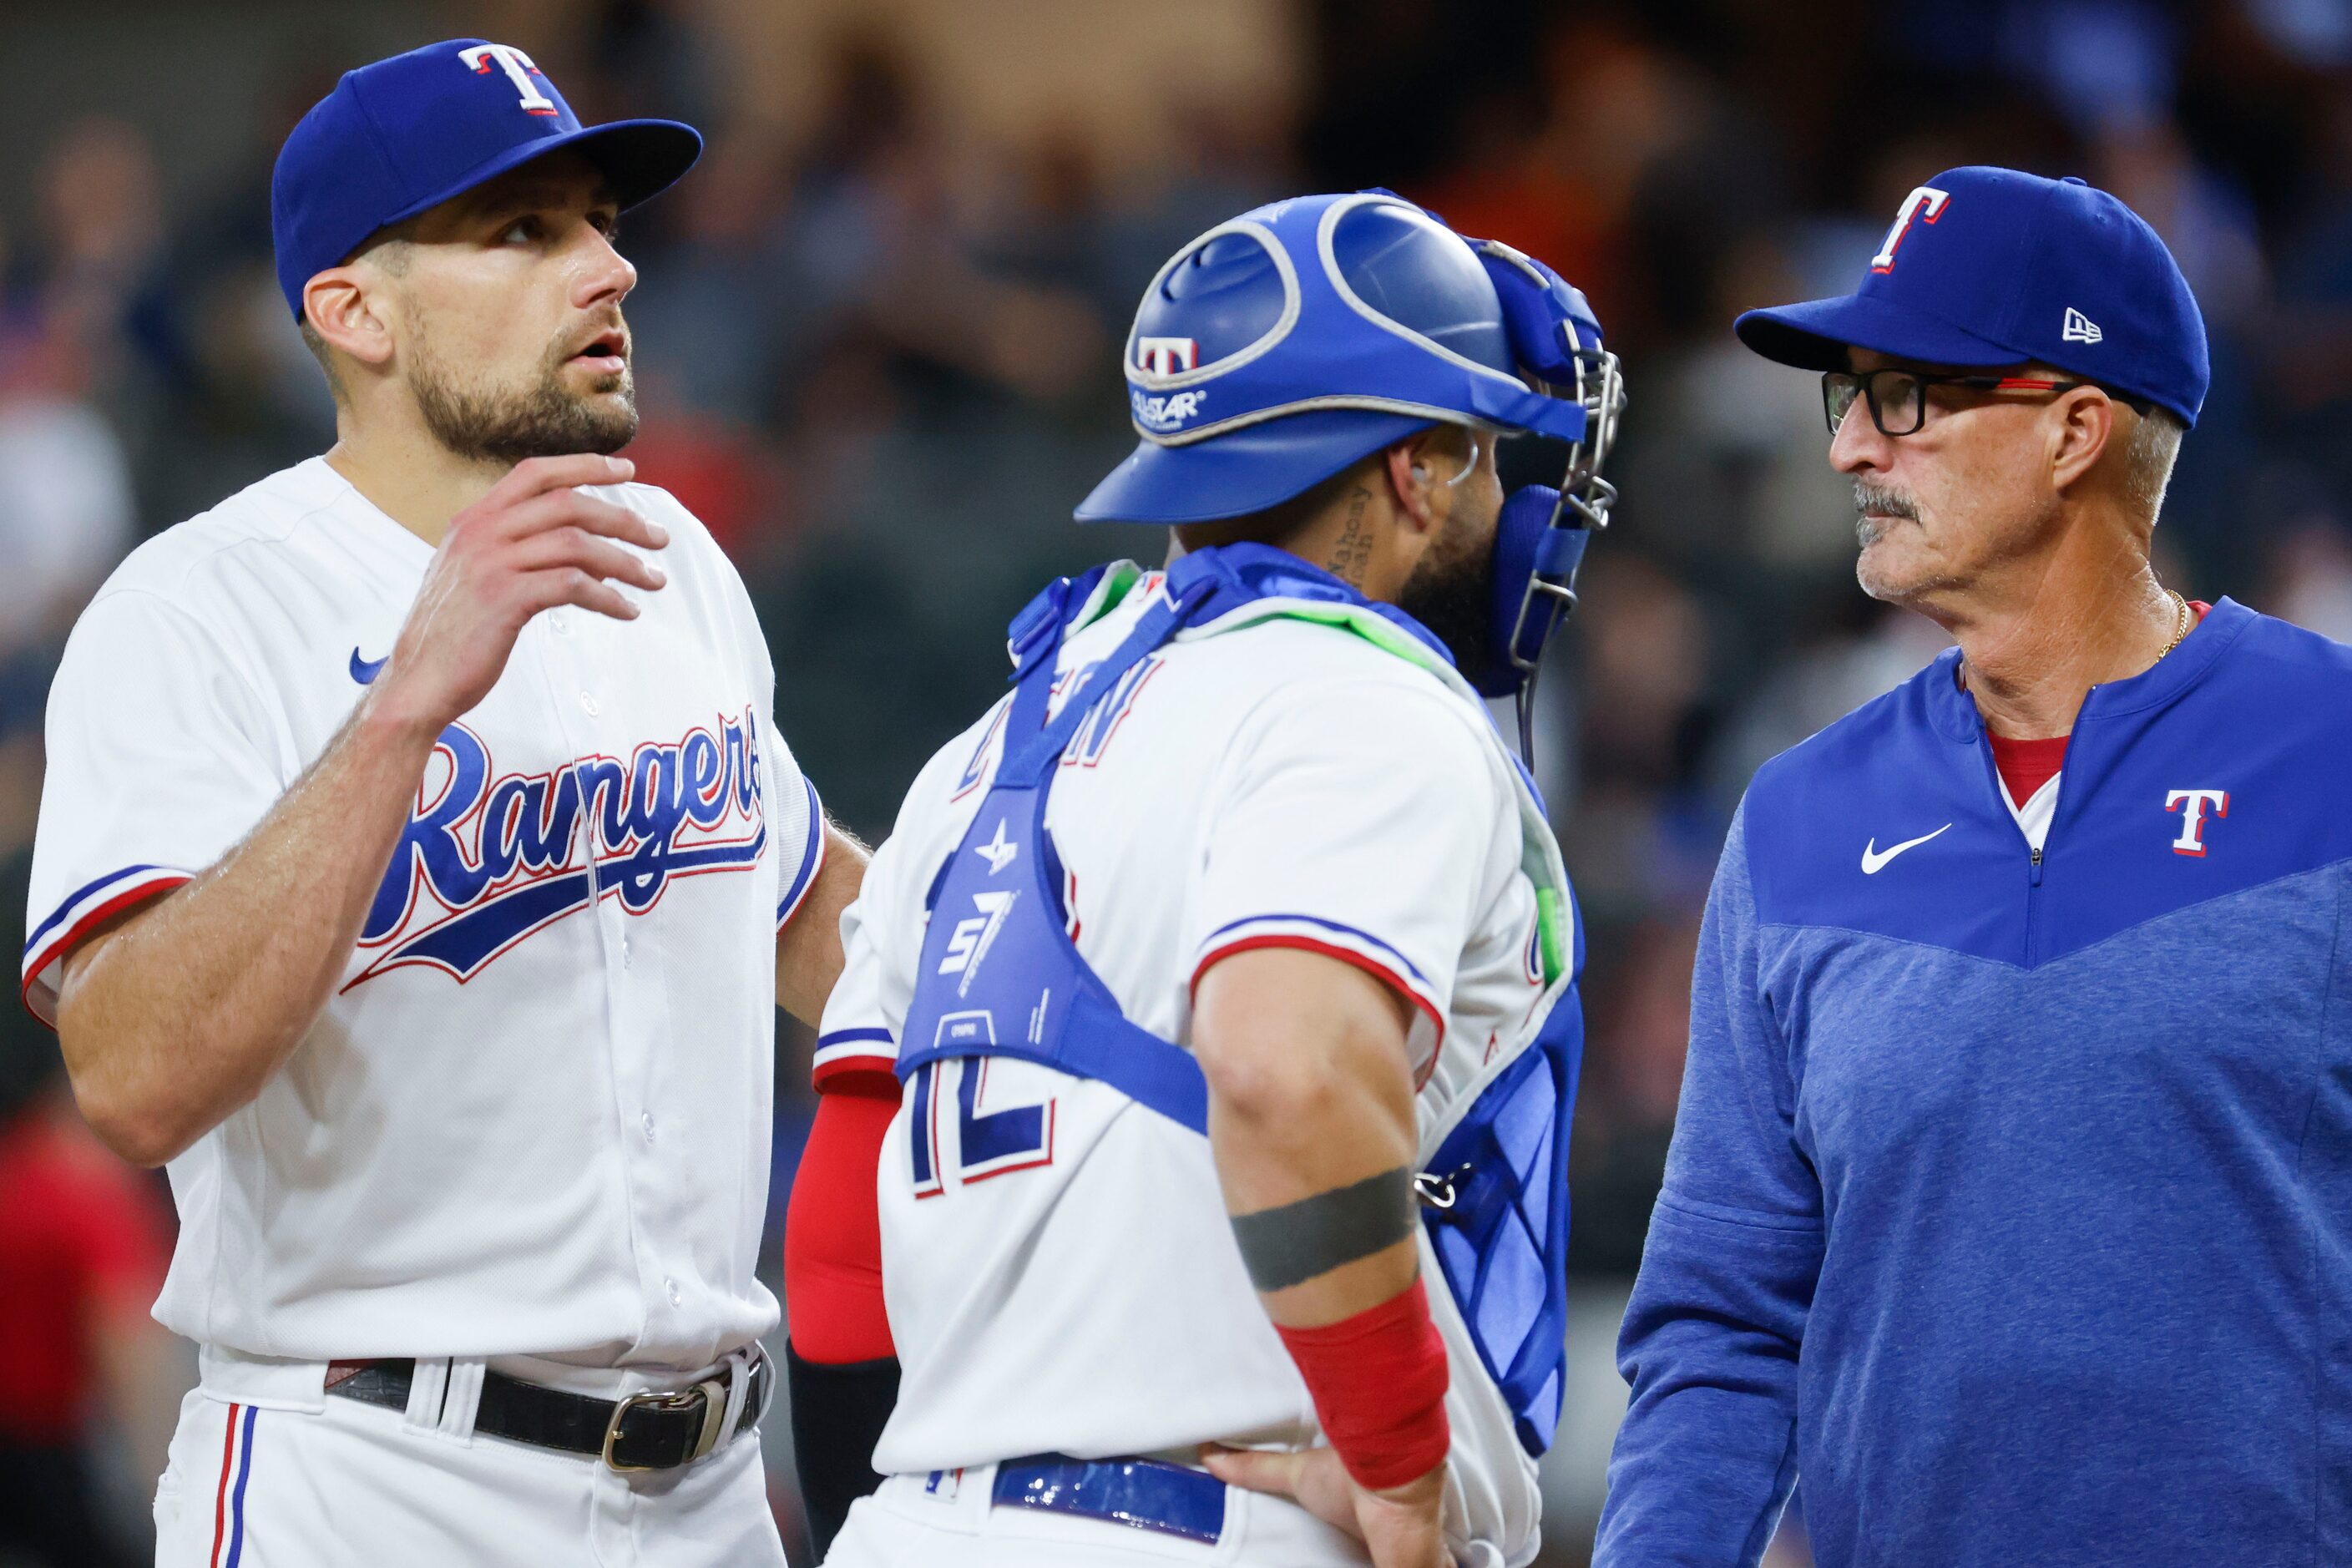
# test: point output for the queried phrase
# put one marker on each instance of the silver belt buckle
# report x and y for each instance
(713, 1394)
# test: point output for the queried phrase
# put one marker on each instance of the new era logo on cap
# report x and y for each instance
(2080, 328)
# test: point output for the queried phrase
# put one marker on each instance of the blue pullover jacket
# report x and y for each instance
(2011, 1199)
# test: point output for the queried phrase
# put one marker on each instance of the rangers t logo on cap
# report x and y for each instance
(519, 69)
(1925, 203)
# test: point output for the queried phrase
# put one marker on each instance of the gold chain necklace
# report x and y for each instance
(2183, 622)
(2180, 626)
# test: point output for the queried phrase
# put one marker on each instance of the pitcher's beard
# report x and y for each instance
(490, 424)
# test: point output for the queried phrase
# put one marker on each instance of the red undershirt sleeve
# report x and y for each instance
(833, 1235)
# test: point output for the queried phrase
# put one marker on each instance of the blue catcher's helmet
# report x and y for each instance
(1277, 348)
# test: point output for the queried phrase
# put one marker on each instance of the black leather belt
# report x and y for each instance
(658, 1429)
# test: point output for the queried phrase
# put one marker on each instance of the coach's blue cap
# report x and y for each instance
(407, 133)
(1991, 267)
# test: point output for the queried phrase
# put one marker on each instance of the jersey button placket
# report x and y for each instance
(629, 1020)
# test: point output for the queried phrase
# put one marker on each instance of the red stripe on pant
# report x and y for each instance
(220, 1494)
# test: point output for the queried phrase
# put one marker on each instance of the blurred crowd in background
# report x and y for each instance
(876, 353)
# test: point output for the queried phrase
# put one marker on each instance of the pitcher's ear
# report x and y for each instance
(340, 308)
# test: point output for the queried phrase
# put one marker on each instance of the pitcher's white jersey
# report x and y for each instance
(1284, 783)
(534, 1118)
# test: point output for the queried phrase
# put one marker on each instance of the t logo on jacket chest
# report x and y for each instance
(2191, 805)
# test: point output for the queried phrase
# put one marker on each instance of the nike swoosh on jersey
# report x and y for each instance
(366, 670)
(1875, 859)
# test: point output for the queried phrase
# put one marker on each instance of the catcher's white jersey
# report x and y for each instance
(534, 1118)
(1284, 783)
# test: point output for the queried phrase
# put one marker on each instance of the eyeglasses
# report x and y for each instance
(1899, 399)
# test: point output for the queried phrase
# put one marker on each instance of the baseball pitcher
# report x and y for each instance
(418, 873)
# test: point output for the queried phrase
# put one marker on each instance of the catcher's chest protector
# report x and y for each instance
(999, 976)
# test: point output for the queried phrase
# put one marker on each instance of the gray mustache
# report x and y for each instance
(1869, 497)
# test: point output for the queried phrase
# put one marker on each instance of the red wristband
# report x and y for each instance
(1378, 1381)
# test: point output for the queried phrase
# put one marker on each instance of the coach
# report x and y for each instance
(2011, 1202)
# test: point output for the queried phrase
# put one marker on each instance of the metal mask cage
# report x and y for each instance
(1600, 388)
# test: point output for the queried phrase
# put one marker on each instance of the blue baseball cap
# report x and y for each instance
(1987, 267)
(404, 134)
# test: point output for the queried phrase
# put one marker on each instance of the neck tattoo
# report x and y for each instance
(1354, 551)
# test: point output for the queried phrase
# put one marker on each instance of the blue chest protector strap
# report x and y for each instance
(999, 975)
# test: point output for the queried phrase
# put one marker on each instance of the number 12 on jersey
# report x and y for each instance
(987, 1142)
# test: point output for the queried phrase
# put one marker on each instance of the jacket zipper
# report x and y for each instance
(2033, 855)
(2032, 908)
(2033, 873)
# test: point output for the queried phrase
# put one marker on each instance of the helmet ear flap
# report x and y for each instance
(1531, 558)
(1549, 321)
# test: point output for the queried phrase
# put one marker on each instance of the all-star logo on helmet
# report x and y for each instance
(1167, 413)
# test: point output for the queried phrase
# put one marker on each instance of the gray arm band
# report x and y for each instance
(1293, 1243)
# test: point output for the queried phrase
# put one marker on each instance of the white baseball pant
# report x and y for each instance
(351, 1483)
